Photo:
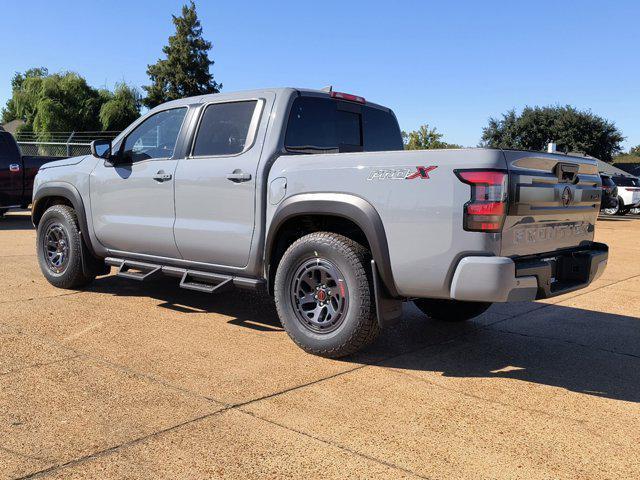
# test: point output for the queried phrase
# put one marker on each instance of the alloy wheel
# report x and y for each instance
(319, 295)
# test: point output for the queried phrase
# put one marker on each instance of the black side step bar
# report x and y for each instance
(137, 270)
(193, 281)
(199, 281)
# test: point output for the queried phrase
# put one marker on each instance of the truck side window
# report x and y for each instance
(224, 129)
(323, 125)
(155, 137)
(318, 124)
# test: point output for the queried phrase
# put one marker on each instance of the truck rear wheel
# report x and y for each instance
(59, 248)
(324, 295)
(451, 310)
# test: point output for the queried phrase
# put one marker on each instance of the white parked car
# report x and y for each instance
(628, 196)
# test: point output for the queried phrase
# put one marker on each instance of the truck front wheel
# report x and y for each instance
(451, 310)
(59, 247)
(324, 296)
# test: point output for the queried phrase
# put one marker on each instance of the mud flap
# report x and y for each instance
(92, 266)
(388, 309)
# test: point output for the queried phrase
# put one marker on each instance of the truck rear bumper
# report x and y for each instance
(502, 279)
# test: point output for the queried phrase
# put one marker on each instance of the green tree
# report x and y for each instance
(635, 151)
(64, 102)
(186, 69)
(120, 108)
(425, 138)
(50, 103)
(571, 129)
(15, 108)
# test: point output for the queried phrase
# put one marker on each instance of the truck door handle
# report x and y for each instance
(14, 167)
(162, 177)
(238, 176)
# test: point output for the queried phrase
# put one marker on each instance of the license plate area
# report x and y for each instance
(564, 271)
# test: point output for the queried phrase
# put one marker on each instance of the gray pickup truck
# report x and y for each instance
(309, 196)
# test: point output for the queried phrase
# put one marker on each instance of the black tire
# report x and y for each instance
(356, 325)
(451, 310)
(61, 222)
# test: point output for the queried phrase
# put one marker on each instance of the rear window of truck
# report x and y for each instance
(324, 125)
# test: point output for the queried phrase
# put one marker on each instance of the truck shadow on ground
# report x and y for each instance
(579, 350)
(16, 222)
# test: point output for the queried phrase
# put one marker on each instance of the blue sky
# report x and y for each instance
(450, 64)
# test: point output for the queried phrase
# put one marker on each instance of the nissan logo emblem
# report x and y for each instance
(566, 196)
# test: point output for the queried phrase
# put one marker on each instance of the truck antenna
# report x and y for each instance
(328, 89)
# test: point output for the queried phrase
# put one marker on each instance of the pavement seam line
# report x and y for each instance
(36, 365)
(336, 445)
(484, 399)
(121, 368)
(22, 455)
(567, 341)
(40, 298)
(581, 423)
(115, 448)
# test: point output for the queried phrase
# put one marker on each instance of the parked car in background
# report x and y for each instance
(628, 195)
(309, 195)
(609, 200)
(16, 174)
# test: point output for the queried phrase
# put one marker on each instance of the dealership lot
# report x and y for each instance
(149, 381)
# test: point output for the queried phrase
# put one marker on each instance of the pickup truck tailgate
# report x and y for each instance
(554, 202)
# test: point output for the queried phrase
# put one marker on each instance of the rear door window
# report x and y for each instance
(316, 125)
(225, 129)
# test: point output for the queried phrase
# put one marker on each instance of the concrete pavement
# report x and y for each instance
(125, 380)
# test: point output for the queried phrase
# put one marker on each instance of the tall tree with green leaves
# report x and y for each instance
(571, 129)
(65, 102)
(120, 108)
(53, 103)
(425, 138)
(18, 105)
(186, 69)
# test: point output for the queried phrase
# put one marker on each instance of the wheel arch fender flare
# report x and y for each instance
(72, 195)
(347, 206)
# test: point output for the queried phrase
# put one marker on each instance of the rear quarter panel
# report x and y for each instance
(422, 216)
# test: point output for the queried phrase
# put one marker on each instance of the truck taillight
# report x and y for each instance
(348, 97)
(487, 208)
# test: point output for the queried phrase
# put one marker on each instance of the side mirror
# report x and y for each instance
(101, 149)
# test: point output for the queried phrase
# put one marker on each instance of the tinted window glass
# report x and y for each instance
(607, 182)
(626, 182)
(312, 125)
(9, 149)
(155, 137)
(381, 131)
(4, 147)
(224, 129)
(322, 124)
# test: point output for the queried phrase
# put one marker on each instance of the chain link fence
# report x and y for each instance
(60, 144)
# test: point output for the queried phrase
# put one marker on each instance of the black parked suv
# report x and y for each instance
(609, 193)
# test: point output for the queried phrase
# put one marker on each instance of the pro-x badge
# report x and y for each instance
(403, 173)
